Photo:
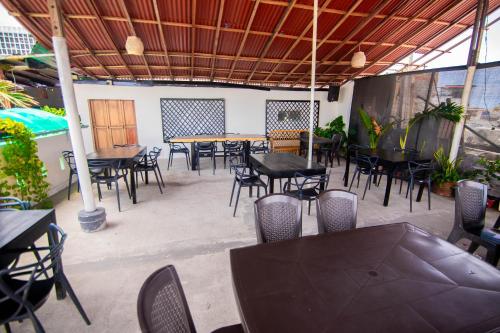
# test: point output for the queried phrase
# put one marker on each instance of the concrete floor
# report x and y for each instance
(191, 227)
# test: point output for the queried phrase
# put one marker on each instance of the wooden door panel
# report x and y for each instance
(102, 138)
(131, 134)
(129, 113)
(115, 109)
(118, 136)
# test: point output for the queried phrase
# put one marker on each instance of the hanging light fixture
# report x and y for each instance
(134, 46)
(358, 59)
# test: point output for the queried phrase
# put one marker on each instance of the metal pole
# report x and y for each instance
(313, 81)
(475, 47)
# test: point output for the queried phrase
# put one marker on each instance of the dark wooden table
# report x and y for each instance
(127, 154)
(391, 278)
(390, 160)
(19, 229)
(192, 139)
(317, 140)
(283, 165)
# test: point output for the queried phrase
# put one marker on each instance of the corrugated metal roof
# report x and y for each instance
(102, 26)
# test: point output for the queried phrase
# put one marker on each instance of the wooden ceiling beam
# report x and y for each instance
(162, 37)
(378, 8)
(216, 40)
(93, 6)
(269, 42)
(308, 27)
(413, 33)
(327, 36)
(132, 29)
(245, 36)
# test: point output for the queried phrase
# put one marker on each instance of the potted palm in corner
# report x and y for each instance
(446, 174)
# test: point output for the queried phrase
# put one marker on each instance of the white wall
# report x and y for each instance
(245, 108)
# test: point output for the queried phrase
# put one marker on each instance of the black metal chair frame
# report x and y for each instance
(259, 147)
(308, 188)
(473, 231)
(244, 177)
(232, 148)
(366, 165)
(41, 276)
(69, 157)
(13, 203)
(419, 173)
(321, 214)
(151, 164)
(177, 148)
(111, 174)
(334, 149)
(205, 149)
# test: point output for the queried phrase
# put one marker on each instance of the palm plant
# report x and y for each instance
(11, 94)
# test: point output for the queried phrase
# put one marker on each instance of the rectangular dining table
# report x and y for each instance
(388, 278)
(192, 139)
(128, 154)
(284, 165)
(390, 159)
(19, 229)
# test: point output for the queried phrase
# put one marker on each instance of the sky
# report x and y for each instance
(490, 49)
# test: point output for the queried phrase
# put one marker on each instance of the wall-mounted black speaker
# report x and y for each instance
(333, 93)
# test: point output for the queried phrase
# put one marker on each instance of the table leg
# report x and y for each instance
(193, 157)
(133, 191)
(60, 291)
(390, 172)
(146, 178)
(347, 164)
(246, 152)
(271, 184)
(420, 192)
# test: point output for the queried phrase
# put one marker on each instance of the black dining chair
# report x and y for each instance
(26, 284)
(470, 211)
(69, 157)
(278, 217)
(333, 151)
(365, 165)
(244, 177)
(259, 147)
(151, 164)
(232, 148)
(336, 210)
(205, 149)
(419, 173)
(307, 187)
(112, 173)
(177, 148)
(162, 306)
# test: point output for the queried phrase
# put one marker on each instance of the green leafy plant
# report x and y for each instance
(22, 173)
(375, 129)
(490, 170)
(11, 94)
(446, 171)
(56, 111)
(449, 110)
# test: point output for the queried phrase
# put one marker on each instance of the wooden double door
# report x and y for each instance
(113, 122)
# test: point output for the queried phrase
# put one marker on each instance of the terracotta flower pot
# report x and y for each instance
(444, 189)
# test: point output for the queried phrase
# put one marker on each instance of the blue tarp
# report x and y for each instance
(38, 121)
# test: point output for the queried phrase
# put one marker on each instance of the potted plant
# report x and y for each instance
(373, 127)
(446, 175)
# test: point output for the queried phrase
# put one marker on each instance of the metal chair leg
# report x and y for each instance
(169, 160)
(67, 286)
(353, 177)
(232, 192)
(368, 181)
(411, 194)
(237, 199)
(159, 173)
(118, 196)
(69, 185)
(157, 180)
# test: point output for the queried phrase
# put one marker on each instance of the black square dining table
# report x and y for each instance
(388, 278)
(284, 165)
(128, 154)
(390, 159)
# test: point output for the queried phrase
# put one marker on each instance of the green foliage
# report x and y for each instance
(490, 169)
(337, 125)
(446, 171)
(11, 94)
(56, 111)
(22, 173)
(449, 110)
(374, 129)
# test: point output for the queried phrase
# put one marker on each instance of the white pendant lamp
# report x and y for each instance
(134, 46)
(358, 59)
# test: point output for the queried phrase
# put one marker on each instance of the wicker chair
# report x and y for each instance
(336, 210)
(278, 217)
(25, 287)
(470, 211)
(162, 305)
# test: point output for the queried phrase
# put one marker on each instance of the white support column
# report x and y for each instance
(313, 81)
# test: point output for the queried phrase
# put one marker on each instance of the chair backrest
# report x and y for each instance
(205, 145)
(420, 170)
(336, 142)
(365, 161)
(106, 164)
(69, 157)
(277, 217)
(13, 203)
(231, 144)
(336, 211)
(470, 204)
(46, 265)
(162, 305)
(312, 182)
